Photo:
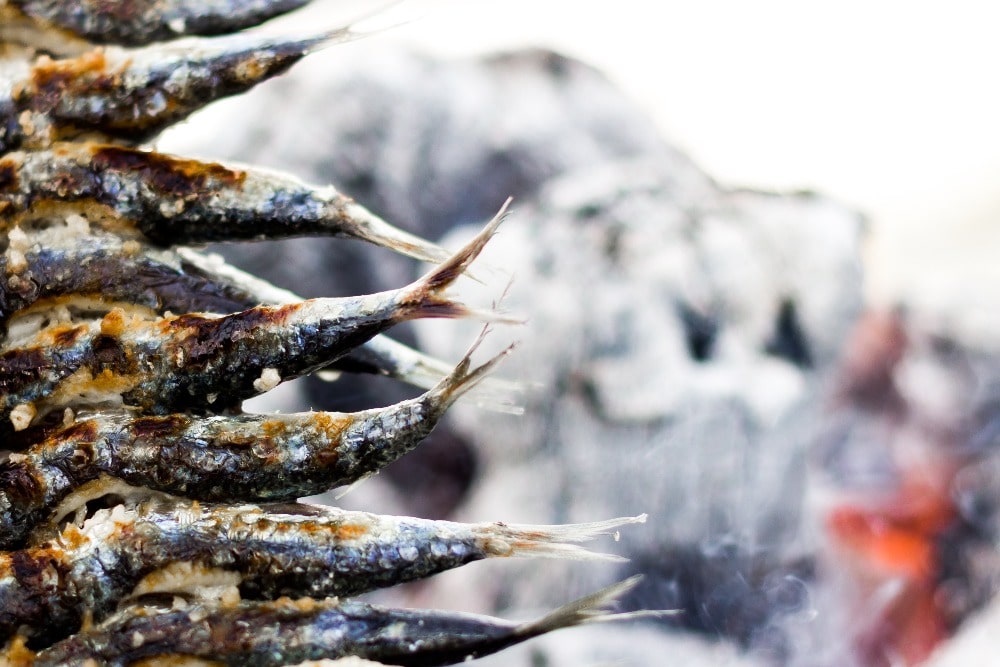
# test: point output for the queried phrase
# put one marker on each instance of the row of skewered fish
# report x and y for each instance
(131, 519)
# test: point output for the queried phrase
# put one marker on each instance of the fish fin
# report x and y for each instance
(463, 377)
(591, 608)
(366, 226)
(394, 359)
(425, 298)
(502, 540)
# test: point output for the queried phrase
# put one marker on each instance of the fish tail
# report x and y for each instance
(463, 377)
(366, 226)
(588, 609)
(503, 540)
(369, 22)
(425, 297)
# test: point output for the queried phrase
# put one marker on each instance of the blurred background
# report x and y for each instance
(889, 107)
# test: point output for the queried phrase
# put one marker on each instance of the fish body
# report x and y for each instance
(66, 267)
(144, 21)
(296, 550)
(107, 268)
(288, 631)
(173, 201)
(131, 95)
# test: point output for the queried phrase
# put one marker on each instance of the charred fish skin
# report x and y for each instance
(172, 201)
(276, 551)
(199, 362)
(131, 95)
(144, 21)
(239, 458)
(290, 631)
(108, 269)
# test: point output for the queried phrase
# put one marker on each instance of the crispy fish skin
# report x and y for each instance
(131, 95)
(381, 355)
(220, 458)
(297, 550)
(175, 201)
(104, 267)
(139, 22)
(287, 631)
(199, 362)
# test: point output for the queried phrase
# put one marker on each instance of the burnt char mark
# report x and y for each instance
(56, 77)
(11, 133)
(137, 112)
(39, 602)
(82, 431)
(9, 181)
(108, 354)
(19, 484)
(155, 428)
(20, 366)
(30, 569)
(168, 175)
(68, 337)
(208, 336)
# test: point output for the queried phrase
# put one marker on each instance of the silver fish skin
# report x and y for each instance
(296, 550)
(220, 458)
(107, 268)
(199, 362)
(382, 355)
(104, 267)
(289, 631)
(131, 95)
(140, 22)
(176, 201)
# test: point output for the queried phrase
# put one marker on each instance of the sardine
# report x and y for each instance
(107, 268)
(298, 550)
(199, 362)
(174, 201)
(131, 95)
(141, 22)
(63, 269)
(221, 458)
(382, 355)
(287, 631)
